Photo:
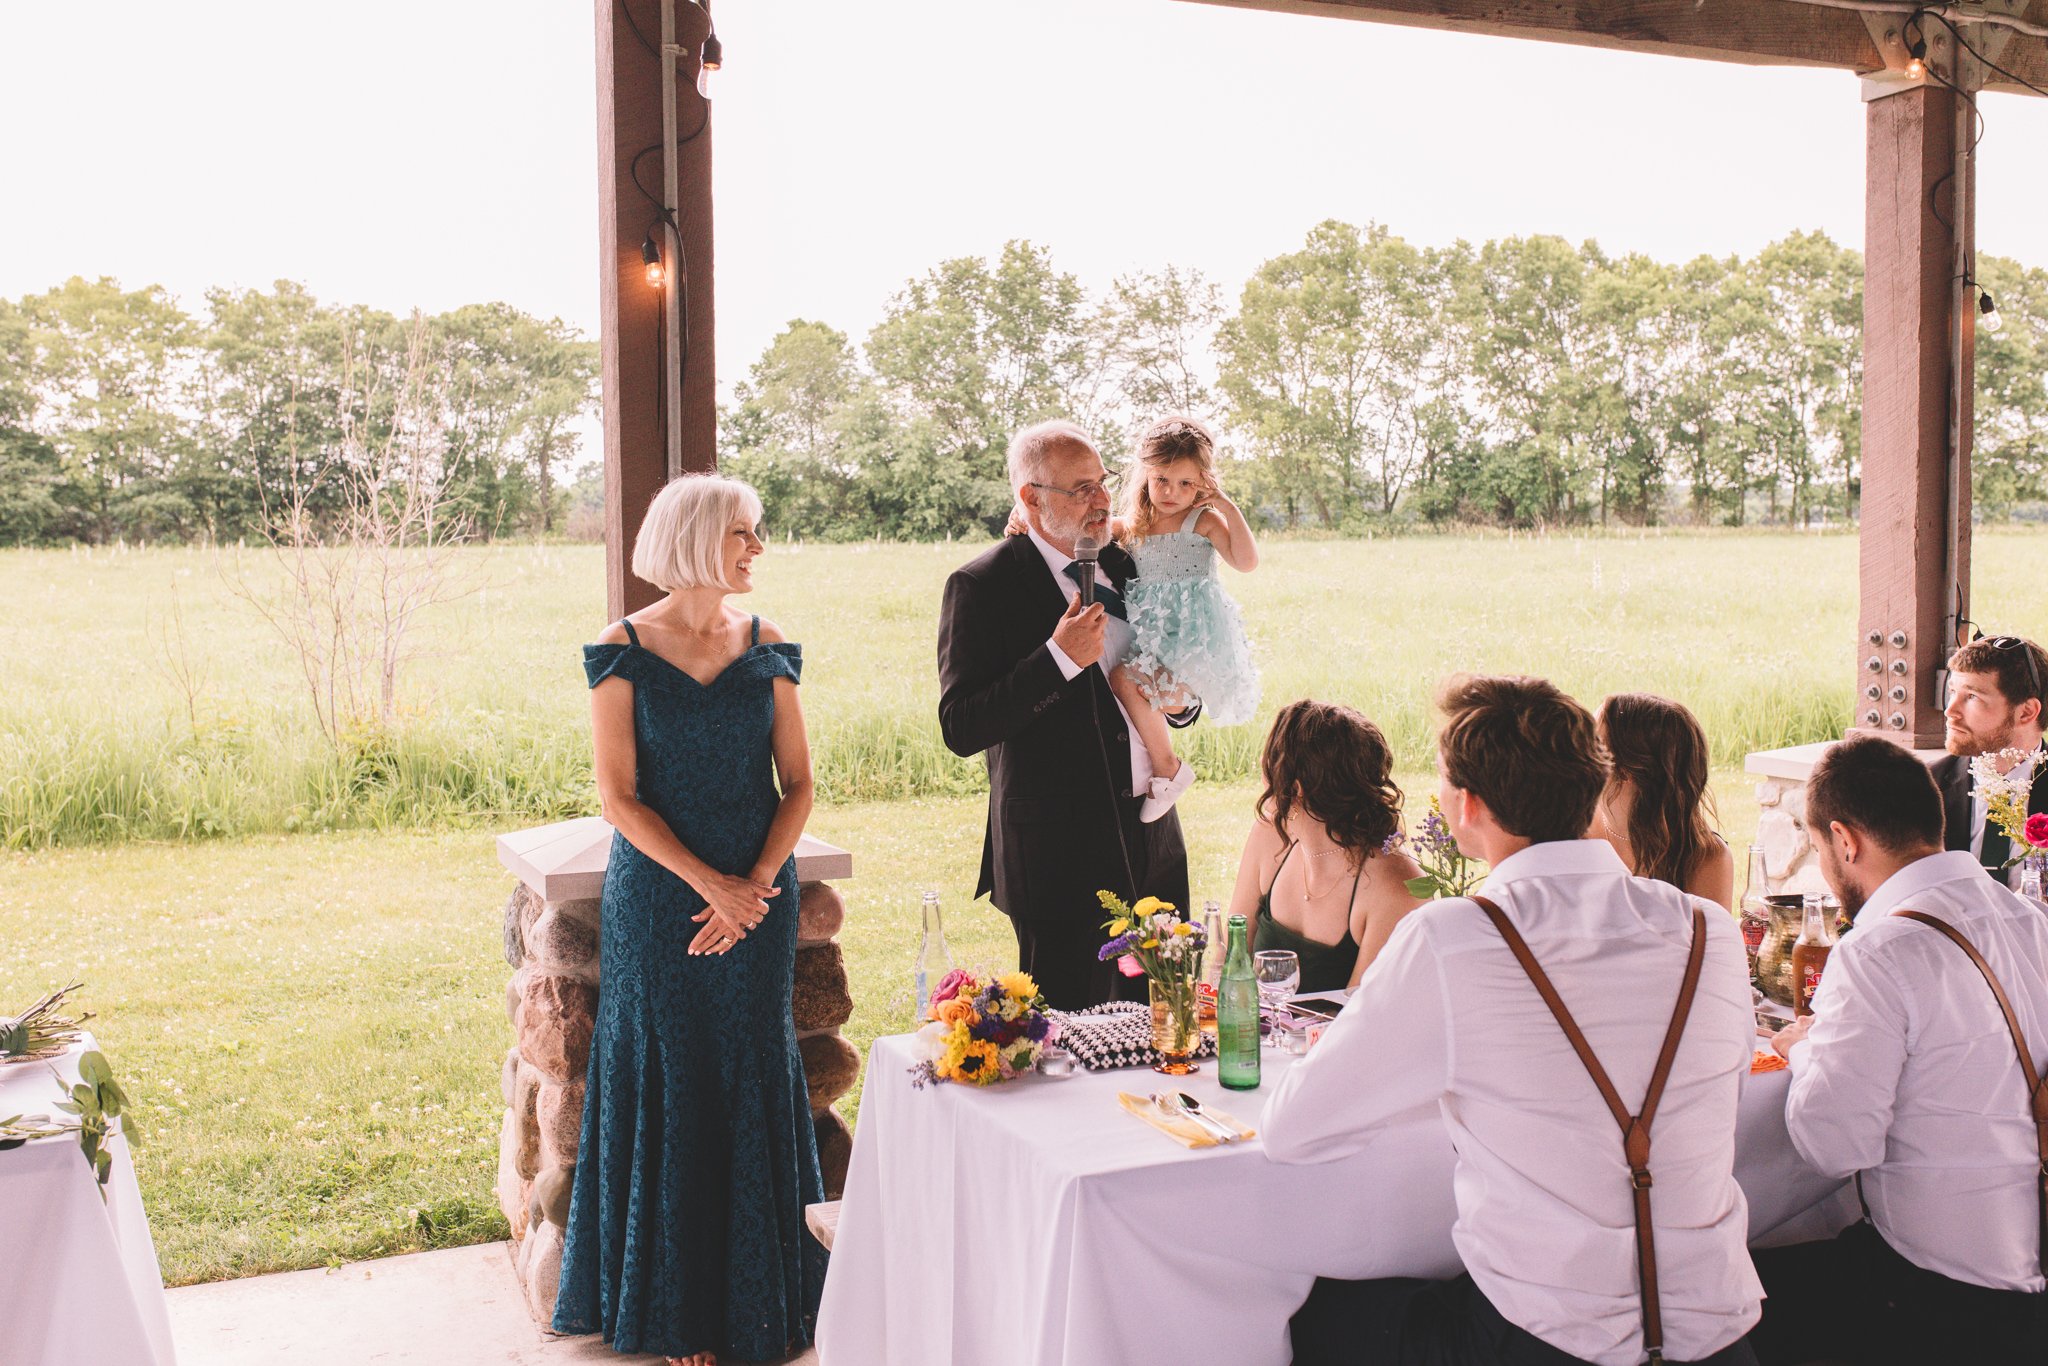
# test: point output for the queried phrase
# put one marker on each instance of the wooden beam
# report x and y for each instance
(1914, 502)
(634, 351)
(1754, 32)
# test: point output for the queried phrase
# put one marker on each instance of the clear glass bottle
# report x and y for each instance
(934, 960)
(1212, 935)
(1810, 955)
(1755, 916)
(2030, 879)
(1237, 1015)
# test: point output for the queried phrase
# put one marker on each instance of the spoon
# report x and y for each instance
(1194, 1108)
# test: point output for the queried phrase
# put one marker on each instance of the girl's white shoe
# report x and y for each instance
(1164, 792)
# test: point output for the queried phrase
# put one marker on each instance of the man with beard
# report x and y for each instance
(1023, 680)
(1995, 699)
(1918, 1073)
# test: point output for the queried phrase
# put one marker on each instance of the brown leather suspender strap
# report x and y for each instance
(1635, 1129)
(2037, 1091)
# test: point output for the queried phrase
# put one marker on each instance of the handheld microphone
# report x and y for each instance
(1086, 551)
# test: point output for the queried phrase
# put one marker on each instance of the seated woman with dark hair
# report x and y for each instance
(1319, 873)
(1656, 811)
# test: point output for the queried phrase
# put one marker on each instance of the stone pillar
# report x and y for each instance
(551, 943)
(1789, 861)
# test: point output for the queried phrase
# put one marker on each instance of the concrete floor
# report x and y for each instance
(455, 1308)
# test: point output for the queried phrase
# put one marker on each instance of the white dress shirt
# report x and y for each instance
(1546, 1216)
(1908, 1075)
(1116, 643)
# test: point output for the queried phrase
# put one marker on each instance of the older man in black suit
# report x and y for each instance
(1995, 699)
(1022, 680)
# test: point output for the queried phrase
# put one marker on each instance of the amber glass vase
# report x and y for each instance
(1176, 1023)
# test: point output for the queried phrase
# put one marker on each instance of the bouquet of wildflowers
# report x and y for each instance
(1148, 940)
(2005, 790)
(983, 1028)
(1445, 869)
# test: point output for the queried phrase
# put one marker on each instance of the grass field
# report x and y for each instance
(311, 1023)
(1754, 631)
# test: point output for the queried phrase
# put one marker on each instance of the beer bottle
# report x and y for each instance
(1810, 955)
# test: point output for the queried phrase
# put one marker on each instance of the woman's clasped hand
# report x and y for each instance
(733, 905)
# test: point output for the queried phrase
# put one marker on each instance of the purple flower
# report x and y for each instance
(1036, 1027)
(1392, 842)
(1116, 947)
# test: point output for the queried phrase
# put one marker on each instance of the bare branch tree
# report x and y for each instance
(357, 565)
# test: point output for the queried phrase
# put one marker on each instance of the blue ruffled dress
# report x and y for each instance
(1188, 631)
(686, 1220)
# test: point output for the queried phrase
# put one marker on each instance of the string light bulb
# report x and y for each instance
(712, 59)
(650, 255)
(1916, 69)
(1987, 312)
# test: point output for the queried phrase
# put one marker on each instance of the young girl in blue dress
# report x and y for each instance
(1190, 643)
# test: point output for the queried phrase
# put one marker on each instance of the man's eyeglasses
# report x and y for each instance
(1086, 490)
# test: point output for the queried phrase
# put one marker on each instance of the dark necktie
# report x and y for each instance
(1997, 849)
(1111, 600)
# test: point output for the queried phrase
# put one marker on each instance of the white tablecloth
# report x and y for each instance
(1036, 1223)
(79, 1281)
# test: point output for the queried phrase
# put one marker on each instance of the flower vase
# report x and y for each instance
(1176, 1024)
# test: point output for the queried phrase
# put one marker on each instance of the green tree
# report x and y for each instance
(1322, 366)
(110, 369)
(29, 472)
(2011, 451)
(795, 434)
(968, 354)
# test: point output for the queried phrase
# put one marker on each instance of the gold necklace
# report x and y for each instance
(1307, 892)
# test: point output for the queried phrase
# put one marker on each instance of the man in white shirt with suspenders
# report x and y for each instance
(1552, 1018)
(1919, 1072)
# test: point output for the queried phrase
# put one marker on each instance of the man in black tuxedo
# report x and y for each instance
(1995, 700)
(1022, 680)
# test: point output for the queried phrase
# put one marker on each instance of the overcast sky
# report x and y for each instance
(441, 152)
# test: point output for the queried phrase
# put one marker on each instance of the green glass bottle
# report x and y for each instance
(1237, 1015)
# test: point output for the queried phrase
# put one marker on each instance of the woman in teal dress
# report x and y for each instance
(1322, 871)
(686, 1222)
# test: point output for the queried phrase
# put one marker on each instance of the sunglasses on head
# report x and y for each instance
(2026, 652)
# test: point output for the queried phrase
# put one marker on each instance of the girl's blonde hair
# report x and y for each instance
(1170, 439)
(683, 533)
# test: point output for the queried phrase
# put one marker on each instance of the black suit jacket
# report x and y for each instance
(1062, 821)
(1952, 775)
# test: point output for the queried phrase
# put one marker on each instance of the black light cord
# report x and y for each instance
(1965, 44)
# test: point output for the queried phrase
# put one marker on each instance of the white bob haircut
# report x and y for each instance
(682, 537)
(1029, 448)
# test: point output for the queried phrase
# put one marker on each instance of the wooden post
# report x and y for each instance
(636, 352)
(1915, 542)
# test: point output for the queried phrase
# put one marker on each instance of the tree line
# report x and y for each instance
(122, 416)
(1362, 381)
(1359, 381)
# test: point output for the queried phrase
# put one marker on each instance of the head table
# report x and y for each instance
(81, 1282)
(1035, 1223)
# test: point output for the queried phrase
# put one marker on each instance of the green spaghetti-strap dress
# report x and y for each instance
(1324, 967)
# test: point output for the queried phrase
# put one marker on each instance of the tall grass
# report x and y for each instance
(1754, 631)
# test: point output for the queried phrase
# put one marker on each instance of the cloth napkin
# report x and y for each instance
(1180, 1128)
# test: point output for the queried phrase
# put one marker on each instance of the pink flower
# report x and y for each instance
(949, 985)
(2037, 830)
(1129, 966)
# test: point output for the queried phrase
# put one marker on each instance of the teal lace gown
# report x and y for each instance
(686, 1222)
(1188, 631)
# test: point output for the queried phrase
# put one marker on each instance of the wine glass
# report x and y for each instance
(1278, 974)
